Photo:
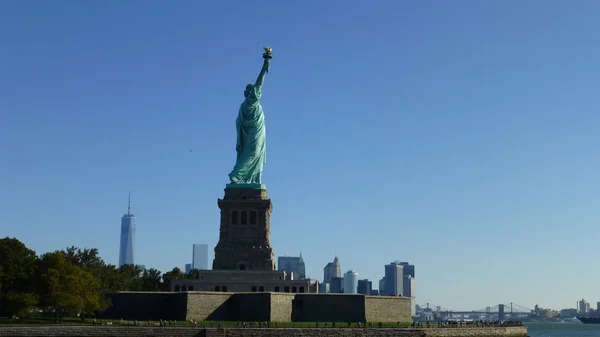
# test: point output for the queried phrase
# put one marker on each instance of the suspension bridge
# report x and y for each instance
(501, 310)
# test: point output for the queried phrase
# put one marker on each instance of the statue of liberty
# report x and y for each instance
(251, 136)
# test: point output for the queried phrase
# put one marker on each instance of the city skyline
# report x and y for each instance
(456, 136)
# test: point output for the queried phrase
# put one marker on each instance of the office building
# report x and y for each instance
(323, 288)
(408, 285)
(292, 265)
(336, 285)
(408, 273)
(301, 268)
(365, 287)
(200, 257)
(332, 269)
(350, 282)
(408, 269)
(188, 268)
(583, 307)
(399, 280)
(394, 279)
(127, 243)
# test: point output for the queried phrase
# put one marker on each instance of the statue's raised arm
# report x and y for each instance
(265, 68)
(251, 137)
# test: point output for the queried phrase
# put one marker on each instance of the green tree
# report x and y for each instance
(151, 280)
(89, 259)
(130, 277)
(175, 274)
(192, 273)
(112, 279)
(65, 288)
(17, 263)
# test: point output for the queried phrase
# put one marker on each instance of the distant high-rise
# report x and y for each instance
(583, 307)
(394, 278)
(301, 269)
(200, 257)
(127, 245)
(382, 286)
(408, 273)
(292, 264)
(365, 287)
(336, 285)
(350, 282)
(323, 288)
(399, 280)
(332, 269)
(188, 268)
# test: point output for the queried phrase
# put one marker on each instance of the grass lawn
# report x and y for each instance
(90, 321)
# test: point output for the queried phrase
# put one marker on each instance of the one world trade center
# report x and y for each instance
(127, 246)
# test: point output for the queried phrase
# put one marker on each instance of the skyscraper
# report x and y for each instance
(364, 287)
(301, 269)
(200, 256)
(336, 285)
(399, 280)
(332, 269)
(127, 245)
(408, 273)
(583, 307)
(292, 264)
(394, 279)
(350, 282)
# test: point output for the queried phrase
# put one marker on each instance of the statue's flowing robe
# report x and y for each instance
(251, 141)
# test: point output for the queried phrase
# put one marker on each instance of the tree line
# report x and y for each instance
(68, 282)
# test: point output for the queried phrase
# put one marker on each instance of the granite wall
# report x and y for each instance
(148, 305)
(252, 307)
(281, 307)
(208, 307)
(103, 331)
(264, 306)
(387, 309)
(329, 308)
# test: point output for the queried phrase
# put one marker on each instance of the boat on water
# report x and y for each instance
(589, 320)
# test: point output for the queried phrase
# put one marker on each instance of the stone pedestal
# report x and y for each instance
(245, 233)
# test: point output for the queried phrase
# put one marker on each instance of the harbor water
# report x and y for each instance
(563, 330)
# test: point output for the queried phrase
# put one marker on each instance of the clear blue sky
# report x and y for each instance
(461, 136)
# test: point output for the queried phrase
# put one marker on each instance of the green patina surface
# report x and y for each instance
(251, 143)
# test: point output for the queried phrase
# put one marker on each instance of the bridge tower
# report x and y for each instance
(501, 314)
